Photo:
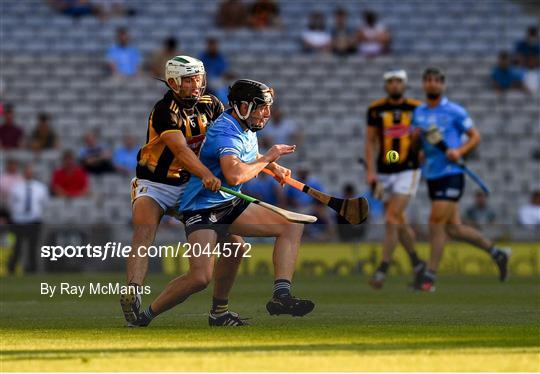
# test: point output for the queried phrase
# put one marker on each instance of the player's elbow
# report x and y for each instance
(232, 179)
(474, 136)
(478, 138)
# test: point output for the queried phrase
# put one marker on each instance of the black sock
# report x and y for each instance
(413, 256)
(148, 313)
(282, 287)
(219, 306)
(383, 267)
(430, 276)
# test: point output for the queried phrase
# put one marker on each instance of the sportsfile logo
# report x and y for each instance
(117, 250)
(109, 250)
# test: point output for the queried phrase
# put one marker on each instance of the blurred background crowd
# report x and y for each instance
(78, 82)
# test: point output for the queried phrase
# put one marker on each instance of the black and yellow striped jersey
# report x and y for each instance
(155, 161)
(394, 125)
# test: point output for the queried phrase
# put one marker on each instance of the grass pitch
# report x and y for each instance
(469, 324)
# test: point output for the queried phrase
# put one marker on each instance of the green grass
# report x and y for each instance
(469, 324)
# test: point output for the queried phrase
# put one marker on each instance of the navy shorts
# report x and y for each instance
(446, 188)
(217, 218)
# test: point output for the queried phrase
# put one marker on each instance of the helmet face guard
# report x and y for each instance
(190, 92)
(254, 94)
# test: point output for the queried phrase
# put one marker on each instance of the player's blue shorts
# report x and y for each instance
(449, 187)
(217, 218)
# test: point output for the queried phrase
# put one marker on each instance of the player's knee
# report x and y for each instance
(437, 218)
(144, 233)
(239, 245)
(392, 218)
(200, 281)
(452, 229)
(293, 230)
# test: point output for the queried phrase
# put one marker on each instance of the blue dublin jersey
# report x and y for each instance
(224, 137)
(452, 121)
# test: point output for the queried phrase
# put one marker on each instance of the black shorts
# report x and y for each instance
(446, 188)
(218, 218)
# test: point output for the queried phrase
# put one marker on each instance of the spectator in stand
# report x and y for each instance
(479, 214)
(373, 37)
(159, 59)
(343, 43)
(231, 15)
(529, 214)
(11, 135)
(531, 79)
(124, 59)
(125, 157)
(8, 178)
(43, 136)
(316, 37)
(528, 50)
(217, 69)
(504, 76)
(281, 130)
(298, 200)
(76, 8)
(27, 202)
(264, 14)
(70, 180)
(114, 8)
(96, 158)
(265, 188)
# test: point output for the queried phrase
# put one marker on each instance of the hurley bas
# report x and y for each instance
(78, 290)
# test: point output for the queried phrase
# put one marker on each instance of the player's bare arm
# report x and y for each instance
(237, 172)
(176, 142)
(280, 172)
(471, 143)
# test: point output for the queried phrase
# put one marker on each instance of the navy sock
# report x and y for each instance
(383, 267)
(282, 287)
(219, 306)
(414, 258)
(149, 313)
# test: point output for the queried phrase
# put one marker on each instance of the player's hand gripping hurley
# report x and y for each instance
(434, 137)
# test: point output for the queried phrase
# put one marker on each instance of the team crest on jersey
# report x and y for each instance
(397, 131)
(204, 120)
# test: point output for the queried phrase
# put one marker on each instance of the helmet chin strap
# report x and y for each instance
(245, 117)
(237, 111)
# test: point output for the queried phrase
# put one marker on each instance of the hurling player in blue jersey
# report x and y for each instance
(444, 177)
(231, 152)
